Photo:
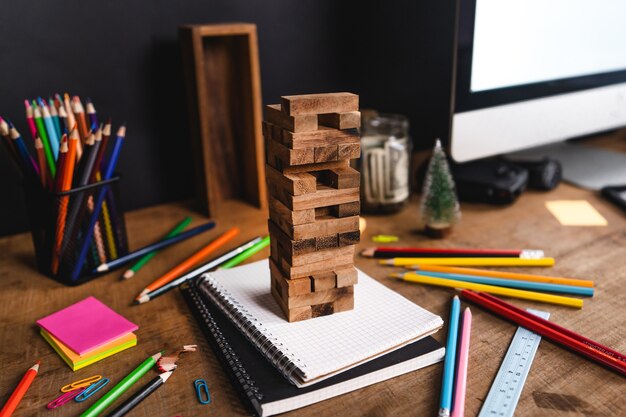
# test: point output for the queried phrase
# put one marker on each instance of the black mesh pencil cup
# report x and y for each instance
(72, 233)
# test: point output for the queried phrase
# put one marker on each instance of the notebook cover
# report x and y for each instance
(311, 350)
(86, 325)
(264, 389)
(77, 362)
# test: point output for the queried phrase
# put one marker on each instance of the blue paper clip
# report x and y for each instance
(91, 390)
(201, 385)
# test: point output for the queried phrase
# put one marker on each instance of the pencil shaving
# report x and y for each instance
(169, 363)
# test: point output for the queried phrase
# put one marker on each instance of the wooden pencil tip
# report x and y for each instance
(129, 274)
(121, 132)
(368, 252)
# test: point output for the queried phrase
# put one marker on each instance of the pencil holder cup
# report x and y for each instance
(75, 231)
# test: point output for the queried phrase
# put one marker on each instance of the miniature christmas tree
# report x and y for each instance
(439, 207)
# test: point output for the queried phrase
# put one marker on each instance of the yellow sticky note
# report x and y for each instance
(575, 213)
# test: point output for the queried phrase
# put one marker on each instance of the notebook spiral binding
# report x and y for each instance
(221, 345)
(260, 337)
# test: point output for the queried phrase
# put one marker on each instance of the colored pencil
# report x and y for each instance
(508, 292)
(71, 121)
(54, 114)
(141, 299)
(121, 387)
(41, 159)
(387, 252)
(106, 133)
(30, 120)
(557, 334)
(154, 246)
(17, 395)
(188, 263)
(263, 243)
(449, 362)
(65, 128)
(502, 274)
(140, 395)
(79, 113)
(130, 272)
(27, 160)
(469, 261)
(66, 176)
(6, 134)
(50, 129)
(460, 380)
(511, 283)
(84, 245)
(44, 140)
(91, 114)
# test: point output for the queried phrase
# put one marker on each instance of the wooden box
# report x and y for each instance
(224, 92)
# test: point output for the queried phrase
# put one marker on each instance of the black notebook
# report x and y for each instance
(265, 390)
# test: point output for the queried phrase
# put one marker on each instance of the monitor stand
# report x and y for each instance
(583, 165)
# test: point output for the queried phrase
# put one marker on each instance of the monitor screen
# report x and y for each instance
(528, 41)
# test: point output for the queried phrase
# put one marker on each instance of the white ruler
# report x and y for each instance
(509, 383)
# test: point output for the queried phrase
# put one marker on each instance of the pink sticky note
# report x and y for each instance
(86, 325)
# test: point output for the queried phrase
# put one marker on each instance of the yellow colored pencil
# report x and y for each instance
(469, 261)
(507, 292)
(506, 275)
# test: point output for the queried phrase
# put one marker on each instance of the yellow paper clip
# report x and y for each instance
(81, 383)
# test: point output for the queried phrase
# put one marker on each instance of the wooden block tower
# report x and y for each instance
(313, 202)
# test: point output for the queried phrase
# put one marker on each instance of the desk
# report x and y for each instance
(559, 380)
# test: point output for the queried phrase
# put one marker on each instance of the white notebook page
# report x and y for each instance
(381, 321)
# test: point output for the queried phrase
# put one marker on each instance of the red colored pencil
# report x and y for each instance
(20, 390)
(387, 252)
(573, 341)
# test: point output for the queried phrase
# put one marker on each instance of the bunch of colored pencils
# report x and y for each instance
(445, 268)
(70, 147)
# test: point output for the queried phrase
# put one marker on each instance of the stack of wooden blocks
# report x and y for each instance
(313, 202)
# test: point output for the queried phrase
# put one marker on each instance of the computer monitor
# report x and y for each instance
(533, 72)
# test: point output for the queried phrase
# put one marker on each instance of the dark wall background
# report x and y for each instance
(124, 55)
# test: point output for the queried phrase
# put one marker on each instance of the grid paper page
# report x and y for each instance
(382, 320)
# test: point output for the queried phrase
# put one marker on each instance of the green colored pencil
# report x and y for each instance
(246, 254)
(43, 135)
(130, 272)
(121, 387)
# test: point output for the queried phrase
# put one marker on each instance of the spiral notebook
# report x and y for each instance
(265, 391)
(310, 351)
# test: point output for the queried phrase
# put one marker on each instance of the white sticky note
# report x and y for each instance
(575, 213)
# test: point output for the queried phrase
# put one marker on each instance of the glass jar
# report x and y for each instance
(384, 163)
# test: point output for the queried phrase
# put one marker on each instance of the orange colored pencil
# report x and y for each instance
(20, 390)
(67, 175)
(509, 275)
(190, 262)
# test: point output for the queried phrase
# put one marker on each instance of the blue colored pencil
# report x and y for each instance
(154, 246)
(107, 174)
(447, 381)
(55, 117)
(513, 283)
(50, 128)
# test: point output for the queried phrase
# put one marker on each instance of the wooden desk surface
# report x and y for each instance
(560, 382)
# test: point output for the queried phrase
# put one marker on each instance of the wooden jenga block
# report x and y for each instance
(317, 256)
(339, 262)
(289, 287)
(324, 136)
(289, 157)
(326, 153)
(294, 184)
(325, 196)
(323, 227)
(348, 151)
(320, 297)
(292, 314)
(279, 166)
(341, 178)
(343, 303)
(326, 242)
(281, 212)
(294, 247)
(323, 282)
(345, 210)
(346, 277)
(320, 103)
(348, 120)
(276, 116)
(350, 238)
(320, 310)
